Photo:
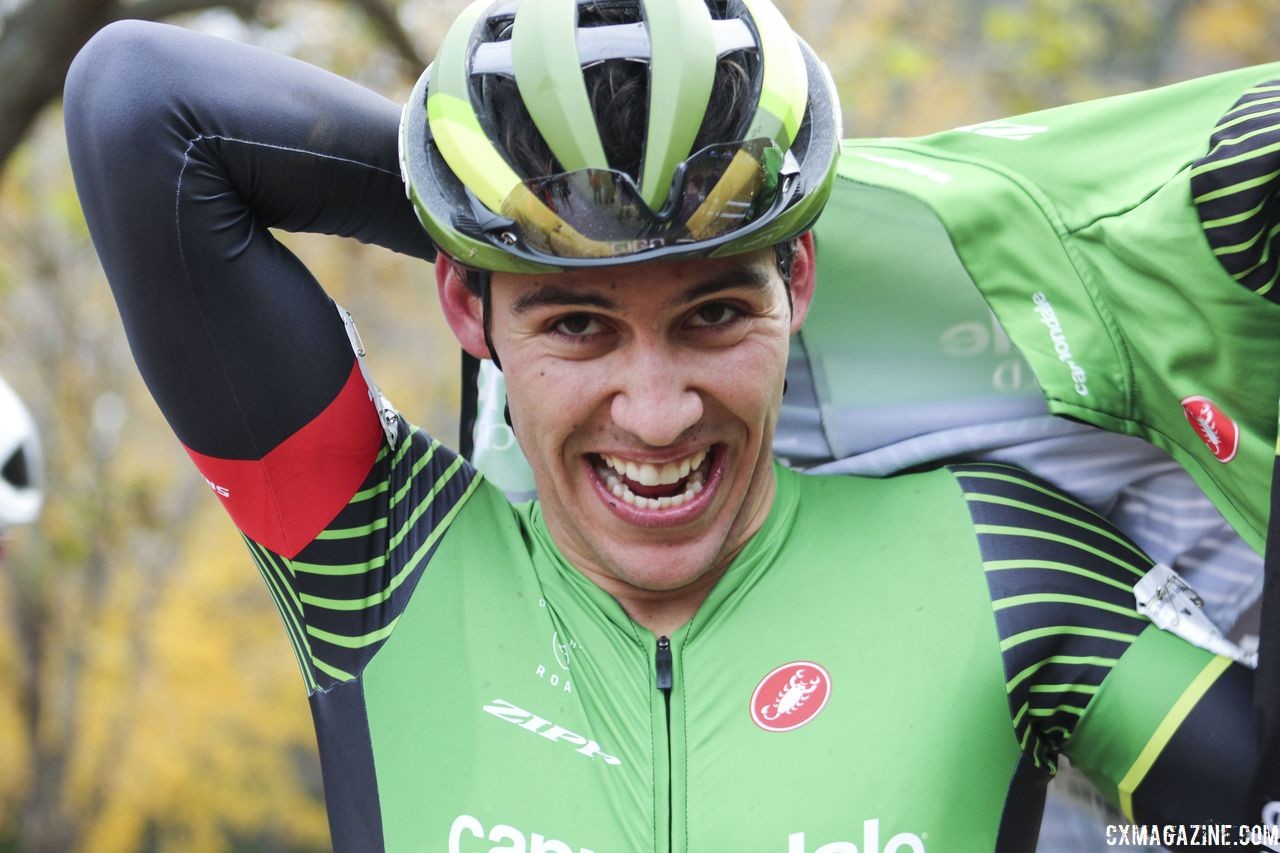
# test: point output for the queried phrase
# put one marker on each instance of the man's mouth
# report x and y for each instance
(649, 486)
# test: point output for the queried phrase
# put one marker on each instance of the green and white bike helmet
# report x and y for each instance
(510, 71)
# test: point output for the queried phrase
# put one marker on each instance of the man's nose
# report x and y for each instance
(656, 401)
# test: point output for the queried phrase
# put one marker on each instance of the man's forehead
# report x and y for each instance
(672, 284)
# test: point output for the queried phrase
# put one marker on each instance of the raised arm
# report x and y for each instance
(186, 149)
(1163, 728)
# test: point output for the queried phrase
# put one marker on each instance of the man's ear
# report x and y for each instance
(462, 308)
(802, 281)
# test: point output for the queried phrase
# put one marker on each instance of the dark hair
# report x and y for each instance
(784, 256)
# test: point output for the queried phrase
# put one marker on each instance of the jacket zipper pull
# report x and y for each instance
(663, 661)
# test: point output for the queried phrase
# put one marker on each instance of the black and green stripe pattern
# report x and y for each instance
(1061, 582)
(341, 596)
(1236, 189)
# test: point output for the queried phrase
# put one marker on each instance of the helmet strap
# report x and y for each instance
(784, 255)
(486, 310)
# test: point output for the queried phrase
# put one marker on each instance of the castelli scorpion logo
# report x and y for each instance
(1219, 433)
(790, 696)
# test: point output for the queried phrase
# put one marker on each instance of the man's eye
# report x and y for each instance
(715, 314)
(578, 326)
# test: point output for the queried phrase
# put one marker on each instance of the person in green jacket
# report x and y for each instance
(681, 645)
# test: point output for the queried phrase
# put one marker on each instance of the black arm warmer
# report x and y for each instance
(185, 150)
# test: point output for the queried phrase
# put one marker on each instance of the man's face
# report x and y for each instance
(645, 399)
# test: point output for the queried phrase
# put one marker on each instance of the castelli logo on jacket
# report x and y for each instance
(790, 696)
(1219, 433)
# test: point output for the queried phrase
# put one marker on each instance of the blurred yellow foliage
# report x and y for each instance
(192, 717)
(15, 748)
(1241, 29)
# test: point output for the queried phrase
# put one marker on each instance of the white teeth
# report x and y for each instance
(651, 475)
(647, 474)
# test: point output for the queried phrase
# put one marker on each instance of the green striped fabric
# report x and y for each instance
(1061, 585)
(1234, 187)
(341, 596)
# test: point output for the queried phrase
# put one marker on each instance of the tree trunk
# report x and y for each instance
(39, 39)
(37, 44)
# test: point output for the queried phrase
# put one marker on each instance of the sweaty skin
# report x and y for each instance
(654, 363)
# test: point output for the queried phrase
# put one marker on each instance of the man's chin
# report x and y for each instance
(660, 569)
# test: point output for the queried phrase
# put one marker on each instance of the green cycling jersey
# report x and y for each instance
(888, 665)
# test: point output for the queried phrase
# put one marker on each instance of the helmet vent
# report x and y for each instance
(605, 12)
(723, 10)
(15, 470)
(499, 29)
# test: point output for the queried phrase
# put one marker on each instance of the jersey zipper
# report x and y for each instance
(663, 680)
(662, 667)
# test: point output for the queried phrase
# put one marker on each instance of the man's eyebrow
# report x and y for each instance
(747, 277)
(555, 295)
(751, 278)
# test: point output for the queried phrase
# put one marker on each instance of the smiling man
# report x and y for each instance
(682, 645)
(648, 407)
